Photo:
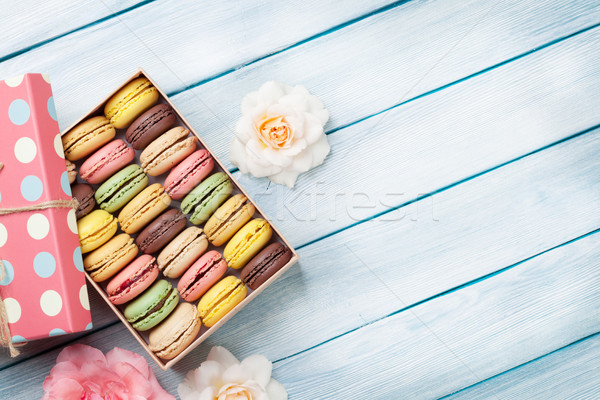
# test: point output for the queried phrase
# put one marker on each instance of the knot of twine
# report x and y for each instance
(5, 335)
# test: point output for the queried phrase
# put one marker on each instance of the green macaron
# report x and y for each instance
(121, 187)
(206, 197)
(152, 306)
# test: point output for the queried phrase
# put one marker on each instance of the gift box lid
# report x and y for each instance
(44, 287)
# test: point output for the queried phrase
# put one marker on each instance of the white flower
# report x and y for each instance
(280, 133)
(223, 377)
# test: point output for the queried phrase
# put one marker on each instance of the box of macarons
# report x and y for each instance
(170, 240)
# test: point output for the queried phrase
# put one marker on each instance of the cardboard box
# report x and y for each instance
(205, 332)
(44, 289)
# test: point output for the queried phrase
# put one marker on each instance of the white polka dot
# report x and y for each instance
(38, 226)
(25, 150)
(13, 310)
(14, 81)
(46, 77)
(58, 146)
(83, 297)
(3, 235)
(51, 303)
(72, 221)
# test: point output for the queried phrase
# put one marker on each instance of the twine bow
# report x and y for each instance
(5, 335)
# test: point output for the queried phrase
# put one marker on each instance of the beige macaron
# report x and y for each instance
(111, 257)
(167, 151)
(143, 208)
(175, 333)
(182, 251)
(129, 102)
(86, 137)
(228, 219)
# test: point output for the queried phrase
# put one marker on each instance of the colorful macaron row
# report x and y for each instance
(150, 302)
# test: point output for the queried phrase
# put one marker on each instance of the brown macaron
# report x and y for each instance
(265, 264)
(84, 194)
(150, 125)
(161, 231)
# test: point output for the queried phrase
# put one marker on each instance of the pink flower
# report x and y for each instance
(84, 373)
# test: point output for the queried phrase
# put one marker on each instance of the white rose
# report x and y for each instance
(280, 133)
(223, 377)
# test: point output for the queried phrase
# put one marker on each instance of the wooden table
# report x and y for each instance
(449, 243)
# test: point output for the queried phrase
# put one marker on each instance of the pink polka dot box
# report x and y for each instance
(43, 288)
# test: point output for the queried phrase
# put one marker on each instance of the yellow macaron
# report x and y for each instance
(95, 229)
(228, 218)
(129, 102)
(111, 257)
(86, 137)
(247, 242)
(143, 208)
(220, 299)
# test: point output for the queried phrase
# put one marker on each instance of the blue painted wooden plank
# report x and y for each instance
(406, 41)
(29, 24)
(181, 45)
(435, 141)
(572, 372)
(483, 225)
(423, 352)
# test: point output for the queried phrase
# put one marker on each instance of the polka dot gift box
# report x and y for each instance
(43, 288)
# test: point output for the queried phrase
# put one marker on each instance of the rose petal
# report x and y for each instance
(237, 155)
(80, 353)
(319, 150)
(270, 91)
(287, 178)
(65, 389)
(259, 367)
(208, 374)
(302, 162)
(135, 382)
(236, 374)
(313, 129)
(207, 394)
(118, 355)
(276, 391)
(249, 102)
(260, 171)
(276, 157)
(316, 108)
(187, 392)
(223, 356)
(296, 101)
(243, 129)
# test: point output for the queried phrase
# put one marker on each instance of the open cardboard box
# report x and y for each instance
(205, 332)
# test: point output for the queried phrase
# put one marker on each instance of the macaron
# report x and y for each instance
(188, 174)
(121, 187)
(204, 273)
(95, 229)
(248, 241)
(143, 208)
(71, 171)
(84, 194)
(104, 162)
(206, 197)
(264, 265)
(228, 218)
(150, 125)
(86, 137)
(152, 306)
(169, 149)
(132, 280)
(182, 251)
(161, 231)
(110, 258)
(220, 299)
(176, 332)
(129, 102)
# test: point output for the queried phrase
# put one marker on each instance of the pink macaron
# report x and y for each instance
(204, 273)
(188, 174)
(106, 161)
(132, 280)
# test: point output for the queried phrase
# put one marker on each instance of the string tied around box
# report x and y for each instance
(5, 335)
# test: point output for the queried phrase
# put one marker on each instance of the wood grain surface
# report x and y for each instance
(449, 243)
